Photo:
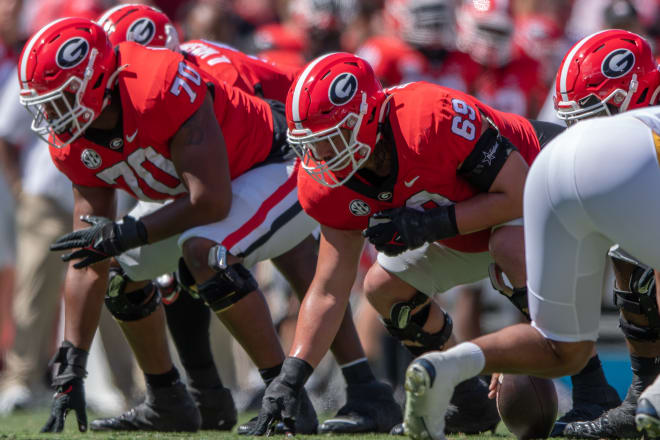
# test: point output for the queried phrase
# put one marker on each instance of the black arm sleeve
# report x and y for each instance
(484, 163)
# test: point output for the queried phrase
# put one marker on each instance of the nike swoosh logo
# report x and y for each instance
(131, 137)
(411, 182)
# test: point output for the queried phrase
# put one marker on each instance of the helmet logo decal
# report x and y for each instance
(72, 52)
(359, 207)
(617, 63)
(142, 31)
(90, 158)
(343, 88)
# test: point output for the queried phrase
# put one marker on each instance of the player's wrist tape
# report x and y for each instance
(132, 233)
(73, 363)
(295, 372)
(440, 223)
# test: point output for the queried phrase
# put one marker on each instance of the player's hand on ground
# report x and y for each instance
(280, 404)
(68, 396)
(103, 239)
(492, 388)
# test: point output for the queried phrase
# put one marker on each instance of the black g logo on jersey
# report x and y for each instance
(343, 88)
(617, 63)
(142, 31)
(72, 52)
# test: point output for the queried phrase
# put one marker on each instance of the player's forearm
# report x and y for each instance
(319, 319)
(179, 216)
(487, 210)
(84, 291)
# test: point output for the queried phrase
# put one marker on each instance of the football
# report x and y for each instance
(527, 405)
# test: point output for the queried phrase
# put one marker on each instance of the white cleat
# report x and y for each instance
(427, 397)
(648, 409)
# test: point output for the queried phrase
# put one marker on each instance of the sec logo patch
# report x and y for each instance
(359, 207)
(90, 158)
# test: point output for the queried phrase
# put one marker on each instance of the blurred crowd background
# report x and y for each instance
(504, 52)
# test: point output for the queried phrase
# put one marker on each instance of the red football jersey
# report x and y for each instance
(396, 62)
(516, 88)
(246, 72)
(159, 91)
(434, 129)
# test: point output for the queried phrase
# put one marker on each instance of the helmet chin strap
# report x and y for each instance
(110, 83)
(631, 91)
(381, 115)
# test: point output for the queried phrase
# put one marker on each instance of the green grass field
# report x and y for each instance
(26, 425)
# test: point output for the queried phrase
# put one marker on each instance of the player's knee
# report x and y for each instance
(379, 291)
(195, 252)
(570, 357)
(507, 247)
(131, 305)
(226, 287)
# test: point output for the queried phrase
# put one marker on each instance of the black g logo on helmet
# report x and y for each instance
(142, 31)
(617, 63)
(343, 88)
(72, 52)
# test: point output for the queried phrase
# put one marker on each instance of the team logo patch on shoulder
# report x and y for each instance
(116, 144)
(343, 88)
(90, 158)
(359, 207)
(72, 52)
(617, 63)
(142, 31)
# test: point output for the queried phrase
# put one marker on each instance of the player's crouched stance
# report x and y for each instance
(434, 179)
(579, 192)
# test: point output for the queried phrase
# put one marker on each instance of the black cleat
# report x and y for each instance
(306, 422)
(618, 422)
(370, 407)
(164, 409)
(470, 410)
(589, 403)
(216, 406)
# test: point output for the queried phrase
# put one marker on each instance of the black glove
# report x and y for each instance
(104, 239)
(70, 391)
(394, 231)
(282, 398)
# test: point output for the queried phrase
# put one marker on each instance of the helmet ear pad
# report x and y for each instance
(608, 72)
(334, 92)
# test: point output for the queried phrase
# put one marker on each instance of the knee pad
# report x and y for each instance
(517, 295)
(227, 287)
(640, 299)
(129, 306)
(405, 326)
(185, 279)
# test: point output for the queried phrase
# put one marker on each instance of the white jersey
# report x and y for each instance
(596, 184)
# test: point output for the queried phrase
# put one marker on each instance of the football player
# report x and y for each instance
(216, 186)
(580, 198)
(429, 175)
(370, 405)
(421, 47)
(606, 73)
(509, 80)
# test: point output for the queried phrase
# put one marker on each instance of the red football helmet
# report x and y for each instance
(485, 31)
(145, 25)
(335, 92)
(65, 70)
(608, 72)
(423, 23)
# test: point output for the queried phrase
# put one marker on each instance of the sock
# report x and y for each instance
(268, 374)
(591, 375)
(643, 366)
(162, 380)
(188, 320)
(357, 372)
(468, 358)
